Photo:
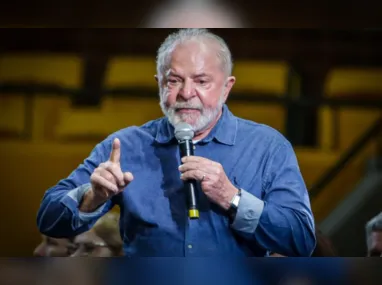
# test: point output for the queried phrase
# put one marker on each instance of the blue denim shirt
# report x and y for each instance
(274, 213)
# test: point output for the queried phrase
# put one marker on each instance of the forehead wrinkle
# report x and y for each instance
(199, 56)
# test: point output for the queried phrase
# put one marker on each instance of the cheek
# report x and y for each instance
(210, 97)
(56, 251)
(377, 240)
(169, 95)
(102, 252)
(377, 244)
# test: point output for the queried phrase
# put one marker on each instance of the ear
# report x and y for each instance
(228, 86)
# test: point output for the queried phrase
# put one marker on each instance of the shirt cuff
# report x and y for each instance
(248, 213)
(76, 195)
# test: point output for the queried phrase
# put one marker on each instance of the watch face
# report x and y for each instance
(235, 201)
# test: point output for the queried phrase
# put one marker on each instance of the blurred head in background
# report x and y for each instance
(103, 240)
(374, 236)
(53, 247)
(194, 76)
(194, 14)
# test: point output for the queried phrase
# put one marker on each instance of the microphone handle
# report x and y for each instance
(187, 149)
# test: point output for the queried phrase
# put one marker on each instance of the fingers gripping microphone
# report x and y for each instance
(184, 134)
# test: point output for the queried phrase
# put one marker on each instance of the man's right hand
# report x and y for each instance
(107, 180)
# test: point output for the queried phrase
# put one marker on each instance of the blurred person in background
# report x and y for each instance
(103, 240)
(194, 14)
(251, 193)
(374, 236)
(53, 247)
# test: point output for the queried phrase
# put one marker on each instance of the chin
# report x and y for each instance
(189, 119)
(197, 125)
(197, 121)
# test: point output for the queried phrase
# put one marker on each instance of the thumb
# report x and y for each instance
(115, 154)
(128, 177)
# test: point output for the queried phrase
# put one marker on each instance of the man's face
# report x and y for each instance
(52, 247)
(89, 244)
(375, 249)
(195, 86)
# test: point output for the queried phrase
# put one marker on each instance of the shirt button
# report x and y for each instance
(251, 214)
(190, 246)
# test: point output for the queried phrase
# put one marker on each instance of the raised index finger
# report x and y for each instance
(115, 154)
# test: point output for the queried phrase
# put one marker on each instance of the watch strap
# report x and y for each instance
(234, 206)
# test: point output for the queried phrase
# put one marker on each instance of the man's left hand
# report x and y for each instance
(215, 183)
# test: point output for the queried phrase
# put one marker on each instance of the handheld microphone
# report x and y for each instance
(184, 134)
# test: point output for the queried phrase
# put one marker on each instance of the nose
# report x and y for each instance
(39, 251)
(188, 90)
(77, 253)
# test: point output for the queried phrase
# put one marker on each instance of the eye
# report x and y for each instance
(89, 247)
(172, 80)
(51, 242)
(202, 82)
(72, 248)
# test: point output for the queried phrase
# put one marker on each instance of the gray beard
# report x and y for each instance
(205, 118)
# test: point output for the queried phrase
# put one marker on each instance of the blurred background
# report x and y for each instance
(64, 90)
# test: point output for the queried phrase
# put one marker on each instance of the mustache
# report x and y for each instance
(187, 105)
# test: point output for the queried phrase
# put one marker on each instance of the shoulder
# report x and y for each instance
(145, 131)
(260, 134)
(133, 135)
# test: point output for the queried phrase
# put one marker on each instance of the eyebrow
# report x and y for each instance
(172, 73)
(201, 75)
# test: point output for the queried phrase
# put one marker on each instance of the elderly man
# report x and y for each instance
(53, 247)
(374, 236)
(252, 197)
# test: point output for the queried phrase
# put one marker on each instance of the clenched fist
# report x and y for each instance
(107, 180)
(214, 181)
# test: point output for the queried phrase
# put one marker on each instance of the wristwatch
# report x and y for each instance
(234, 204)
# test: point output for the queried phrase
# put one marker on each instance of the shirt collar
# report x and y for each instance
(224, 131)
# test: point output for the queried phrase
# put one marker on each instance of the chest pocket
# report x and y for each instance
(244, 175)
(243, 167)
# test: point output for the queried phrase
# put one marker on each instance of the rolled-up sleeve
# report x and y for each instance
(59, 215)
(282, 220)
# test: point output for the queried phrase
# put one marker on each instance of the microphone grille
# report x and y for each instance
(183, 131)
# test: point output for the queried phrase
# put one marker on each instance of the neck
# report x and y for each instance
(202, 134)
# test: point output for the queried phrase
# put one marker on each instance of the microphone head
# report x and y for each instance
(183, 131)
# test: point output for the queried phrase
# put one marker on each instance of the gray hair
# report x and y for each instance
(375, 224)
(184, 35)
